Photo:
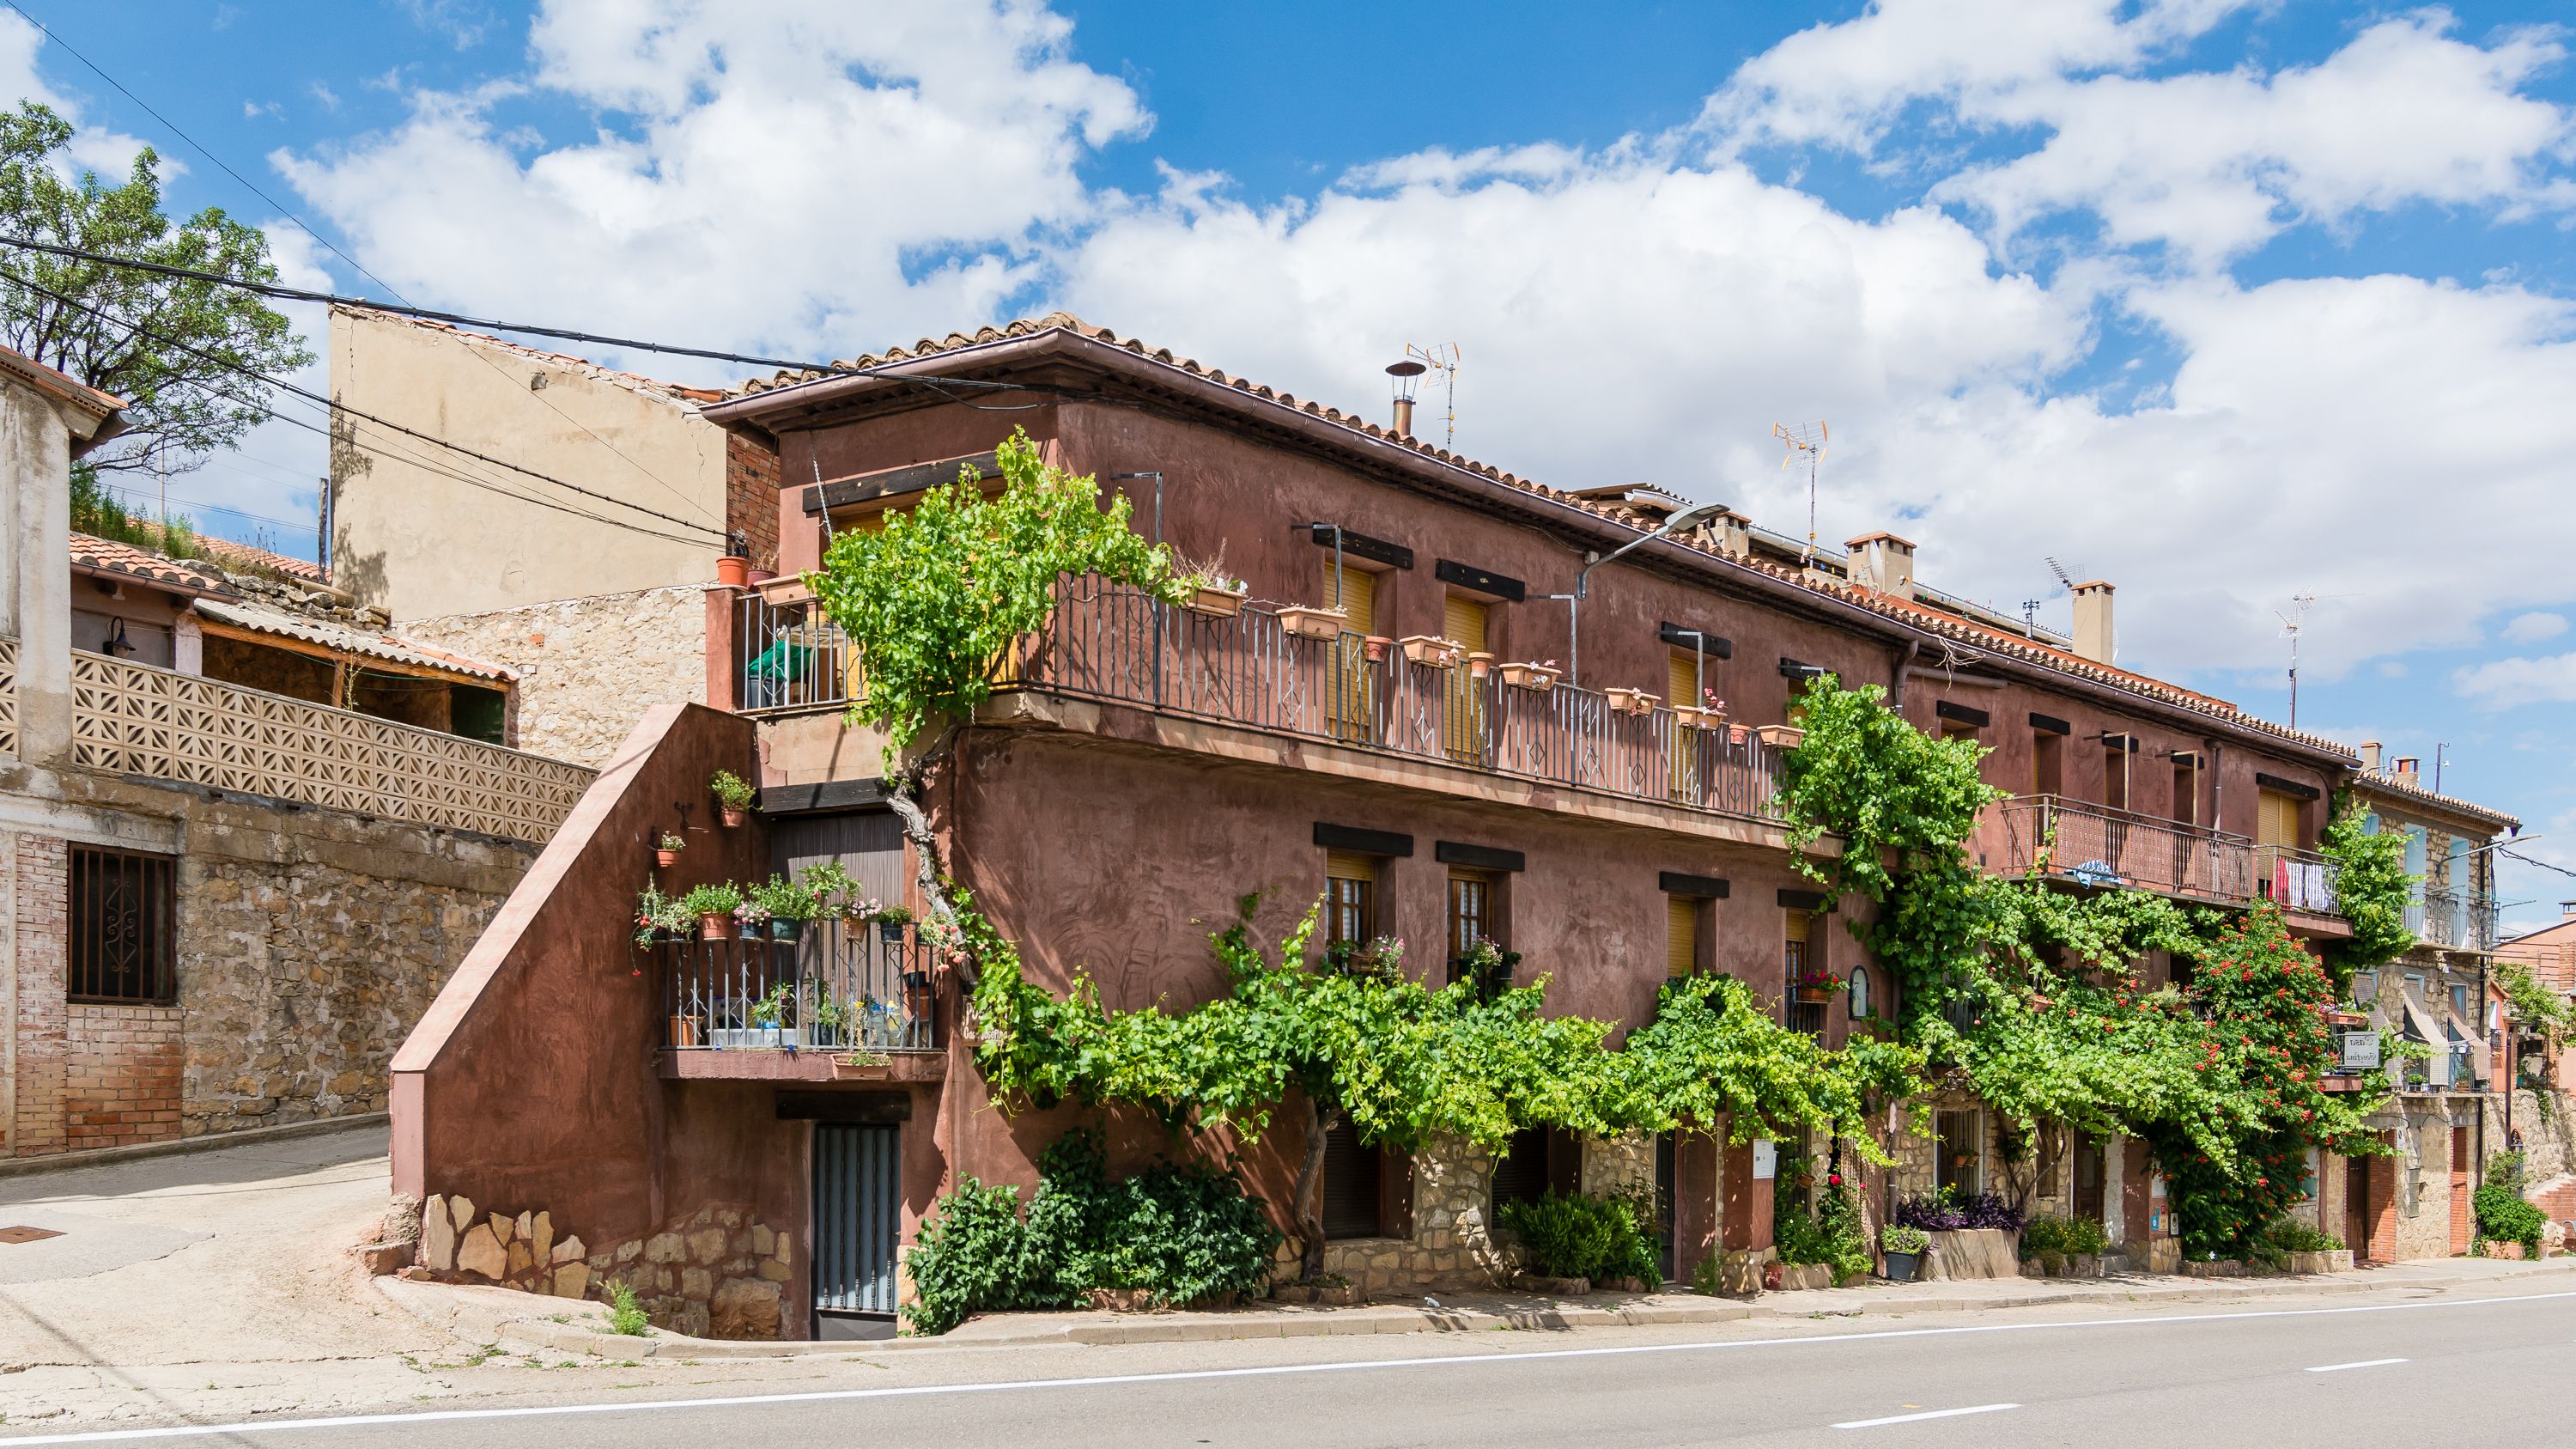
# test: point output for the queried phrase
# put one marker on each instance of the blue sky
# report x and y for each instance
(2226, 302)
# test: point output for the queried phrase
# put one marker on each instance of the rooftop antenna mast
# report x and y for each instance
(2291, 624)
(1807, 441)
(1441, 360)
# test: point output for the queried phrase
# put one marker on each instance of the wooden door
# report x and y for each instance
(2462, 1222)
(2356, 1207)
(2088, 1176)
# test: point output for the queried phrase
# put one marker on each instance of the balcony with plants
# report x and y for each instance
(781, 979)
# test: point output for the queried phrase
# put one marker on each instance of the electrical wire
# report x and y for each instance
(2534, 860)
(282, 385)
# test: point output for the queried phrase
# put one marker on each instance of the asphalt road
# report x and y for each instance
(2457, 1372)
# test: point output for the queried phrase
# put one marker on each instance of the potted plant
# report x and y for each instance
(666, 852)
(1308, 622)
(861, 1064)
(653, 917)
(1708, 714)
(733, 796)
(1382, 956)
(1539, 676)
(1816, 986)
(790, 907)
(1433, 650)
(1904, 1247)
(769, 1014)
(1479, 664)
(713, 907)
(753, 915)
(1206, 588)
(1373, 648)
(1632, 701)
(890, 923)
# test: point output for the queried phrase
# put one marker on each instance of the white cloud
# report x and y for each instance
(2216, 164)
(93, 148)
(798, 177)
(2533, 628)
(2504, 683)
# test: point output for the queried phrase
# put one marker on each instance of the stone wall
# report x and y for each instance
(306, 943)
(588, 668)
(1452, 1243)
(718, 1273)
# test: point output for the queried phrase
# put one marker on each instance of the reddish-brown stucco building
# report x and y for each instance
(1147, 765)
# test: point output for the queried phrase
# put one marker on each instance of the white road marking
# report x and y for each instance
(2336, 1368)
(821, 1396)
(1926, 1414)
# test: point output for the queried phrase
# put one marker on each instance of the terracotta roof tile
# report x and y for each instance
(2396, 784)
(109, 556)
(1990, 640)
(242, 555)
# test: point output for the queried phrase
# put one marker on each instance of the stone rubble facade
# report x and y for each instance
(718, 1273)
(588, 668)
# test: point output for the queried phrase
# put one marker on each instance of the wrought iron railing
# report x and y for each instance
(2091, 844)
(1249, 668)
(856, 987)
(1111, 643)
(2295, 879)
(793, 657)
(2454, 921)
(135, 719)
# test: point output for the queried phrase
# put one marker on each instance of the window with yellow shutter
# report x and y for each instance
(1350, 897)
(1350, 705)
(1463, 731)
(1681, 935)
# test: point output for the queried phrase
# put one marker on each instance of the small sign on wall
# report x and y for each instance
(2360, 1050)
(1766, 1160)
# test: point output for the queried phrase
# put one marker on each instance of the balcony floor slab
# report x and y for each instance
(766, 1065)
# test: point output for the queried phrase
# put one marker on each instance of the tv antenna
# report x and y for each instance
(1807, 439)
(2030, 617)
(1441, 359)
(2291, 623)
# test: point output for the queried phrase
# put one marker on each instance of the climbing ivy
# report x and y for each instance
(2372, 890)
(1403, 1062)
(2032, 995)
(935, 600)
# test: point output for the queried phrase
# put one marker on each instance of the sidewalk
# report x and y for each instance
(497, 1315)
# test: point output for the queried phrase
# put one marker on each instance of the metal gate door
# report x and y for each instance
(858, 1181)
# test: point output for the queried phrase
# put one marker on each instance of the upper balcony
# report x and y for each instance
(2454, 921)
(157, 724)
(1287, 673)
(2096, 845)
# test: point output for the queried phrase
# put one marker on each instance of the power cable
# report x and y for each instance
(316, 398)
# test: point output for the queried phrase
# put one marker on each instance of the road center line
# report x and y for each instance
(1926, 1414)
(820, 1396)
(2336, 1368)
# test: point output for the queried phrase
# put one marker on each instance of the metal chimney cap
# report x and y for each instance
(1406, 368)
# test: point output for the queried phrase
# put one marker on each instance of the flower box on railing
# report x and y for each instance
(1434, 651)
(1540, 677)
(1310, 623)
(1699, 719)
(1215, 602)
(1632, 701)
(1780, 736)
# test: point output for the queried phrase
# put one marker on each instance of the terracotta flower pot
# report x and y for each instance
(684, 1031)
(1813, 995)
(733, 571)
(713, 924)
(1374, 648)
(732, 815)
(1311, 623)
(666, 858)
(1215, 603)
(1529, 676)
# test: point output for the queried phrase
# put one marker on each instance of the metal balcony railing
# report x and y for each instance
(2295, 879)
(2454, 921)
(2089, 844)
(837, 987)
(1117, 644)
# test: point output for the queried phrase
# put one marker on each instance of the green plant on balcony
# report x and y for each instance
(769, 1011)
(787, 904)
(733, 795)
(659, 917)
(711, 906)
(2371, 888)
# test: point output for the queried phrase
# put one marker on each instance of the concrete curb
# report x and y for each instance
(178, 1146)
(480, 1316)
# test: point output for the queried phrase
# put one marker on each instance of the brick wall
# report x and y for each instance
(2382, 1215)
(39, 867)
(751, 497)
(121, 1074)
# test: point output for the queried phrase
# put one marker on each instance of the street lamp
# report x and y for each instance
(1582, 579)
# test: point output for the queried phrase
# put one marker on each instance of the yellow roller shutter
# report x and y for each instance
(1463, 619)
(1681, 935)
(1357, 597)
(2276, 818)
(1349, 865)
(1681, 681)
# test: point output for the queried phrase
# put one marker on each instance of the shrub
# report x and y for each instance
(1899, 1238)
(2504, 1217)
(625, 1315)
(2273, 1246)
(1183, 1232)
(2067, 1236)
(1947, 1211)
(1830, 1235)
(1576, 1235)
(2506, 1170)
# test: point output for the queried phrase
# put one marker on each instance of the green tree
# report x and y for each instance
(186, 384)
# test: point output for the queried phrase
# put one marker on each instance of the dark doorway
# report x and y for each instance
(2356, 1207)
(2088, 1176)
(1353, 1176)
(858, 1219)
(1667, 1180)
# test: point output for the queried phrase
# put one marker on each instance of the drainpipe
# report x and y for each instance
(1904, 668)
(2217, 788)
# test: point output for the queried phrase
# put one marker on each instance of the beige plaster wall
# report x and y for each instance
(413, 539)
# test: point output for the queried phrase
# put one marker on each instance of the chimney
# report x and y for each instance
(2093, 634)
(1404, 417)
(1733, 532)
(1882, 561)
(2370, 757)
(2406, 767)
(1402, 376)
(2567, 910)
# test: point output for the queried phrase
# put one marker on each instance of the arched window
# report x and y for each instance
(1859, 995)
